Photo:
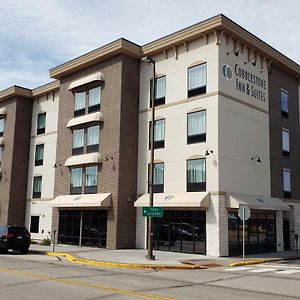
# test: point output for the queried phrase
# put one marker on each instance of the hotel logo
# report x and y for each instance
(227, 72)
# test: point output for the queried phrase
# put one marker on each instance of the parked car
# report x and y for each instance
(14, 237)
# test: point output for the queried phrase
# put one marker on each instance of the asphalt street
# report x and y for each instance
(38, 276)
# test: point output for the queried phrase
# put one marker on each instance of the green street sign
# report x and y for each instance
(152, 211)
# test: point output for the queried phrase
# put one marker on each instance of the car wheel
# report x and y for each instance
(24, 250)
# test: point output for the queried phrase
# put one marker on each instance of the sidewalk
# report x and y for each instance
(136, 257)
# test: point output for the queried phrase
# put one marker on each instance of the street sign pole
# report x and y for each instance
(244, 214)
(243, 232)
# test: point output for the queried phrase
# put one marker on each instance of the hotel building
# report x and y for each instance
(226, 135)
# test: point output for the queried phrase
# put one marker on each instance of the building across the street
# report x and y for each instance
(75, 153)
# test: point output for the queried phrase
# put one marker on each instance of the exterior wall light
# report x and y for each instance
(257, 158)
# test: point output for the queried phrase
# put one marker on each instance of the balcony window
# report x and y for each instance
(158, 177)
(76, 181)
(196, 127)
(91, 180)
(92, 139)
(287, 183)
(159, 134)
(1, 127)
(94, 99)
(78, 141)
(37, 187)
(197, 80)
(285, 143)
(79, 109)
(39, 155)
(284, 103)
(41, 123)
(196, 175)
(160, 91)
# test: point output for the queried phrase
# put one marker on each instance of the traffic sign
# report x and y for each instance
(244, 212)
(153, 211)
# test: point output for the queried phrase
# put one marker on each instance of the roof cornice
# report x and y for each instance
(120, 46)
(14, 91)
(46, 88)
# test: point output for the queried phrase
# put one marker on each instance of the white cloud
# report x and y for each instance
(37, 35)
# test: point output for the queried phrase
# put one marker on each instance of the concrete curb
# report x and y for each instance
(73, 259)
(253, 262)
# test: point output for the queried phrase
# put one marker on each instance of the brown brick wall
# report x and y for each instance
(119, 105)
(13, 184)
(280, 80)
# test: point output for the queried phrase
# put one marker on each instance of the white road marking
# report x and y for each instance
(286, 272)
(263, 270)
(238, 269)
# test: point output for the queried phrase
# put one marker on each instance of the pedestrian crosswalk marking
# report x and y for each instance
(290, 271)
(239, 269)
(262, 270)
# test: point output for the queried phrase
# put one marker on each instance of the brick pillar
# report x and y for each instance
(279, 230)
(217, 226)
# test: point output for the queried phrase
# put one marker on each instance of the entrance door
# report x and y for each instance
(286, 235)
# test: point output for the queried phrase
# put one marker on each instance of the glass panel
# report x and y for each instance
(1, 125)
(158, 174)
(91, 174)
(200, 233)
(93, 135)
(196, 171)
(160, 87)
(284, 101)
(76, 177)
(79, 101)
(78, 138)
(197, 123)
(37, 184)
(187, 235)
(159, 130)
(39, 152)
(94, 96)
(285, 140)
(41, 121)
(197, 77)
(233, 225)
(287, 181)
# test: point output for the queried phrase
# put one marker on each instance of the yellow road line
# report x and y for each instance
(87, 285)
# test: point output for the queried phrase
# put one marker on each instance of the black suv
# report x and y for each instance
(14, 237)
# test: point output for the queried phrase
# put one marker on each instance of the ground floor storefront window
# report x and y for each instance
(83, 228)
(180, 231)
(260, 233)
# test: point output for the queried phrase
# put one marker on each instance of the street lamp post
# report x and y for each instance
(150, 254)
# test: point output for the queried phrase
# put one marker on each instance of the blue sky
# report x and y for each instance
(36, 35)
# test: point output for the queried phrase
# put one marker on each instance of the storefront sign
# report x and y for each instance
(245, 81)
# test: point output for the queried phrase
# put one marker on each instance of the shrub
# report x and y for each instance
(45, 242)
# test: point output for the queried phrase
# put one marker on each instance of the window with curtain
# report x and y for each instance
(79, 108)
(287, 183)
(196, 175)
(159, 134)
(91, 180)
(284, 103)
(196, 127)
(39, 155)
(93, 139)
(37, 187)
(94, 99)
(158, 177)
(41, 123)
(160, 91)
(1, 127)
(197, 80)
(285, 143)
(76, 181)
(78, 141)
